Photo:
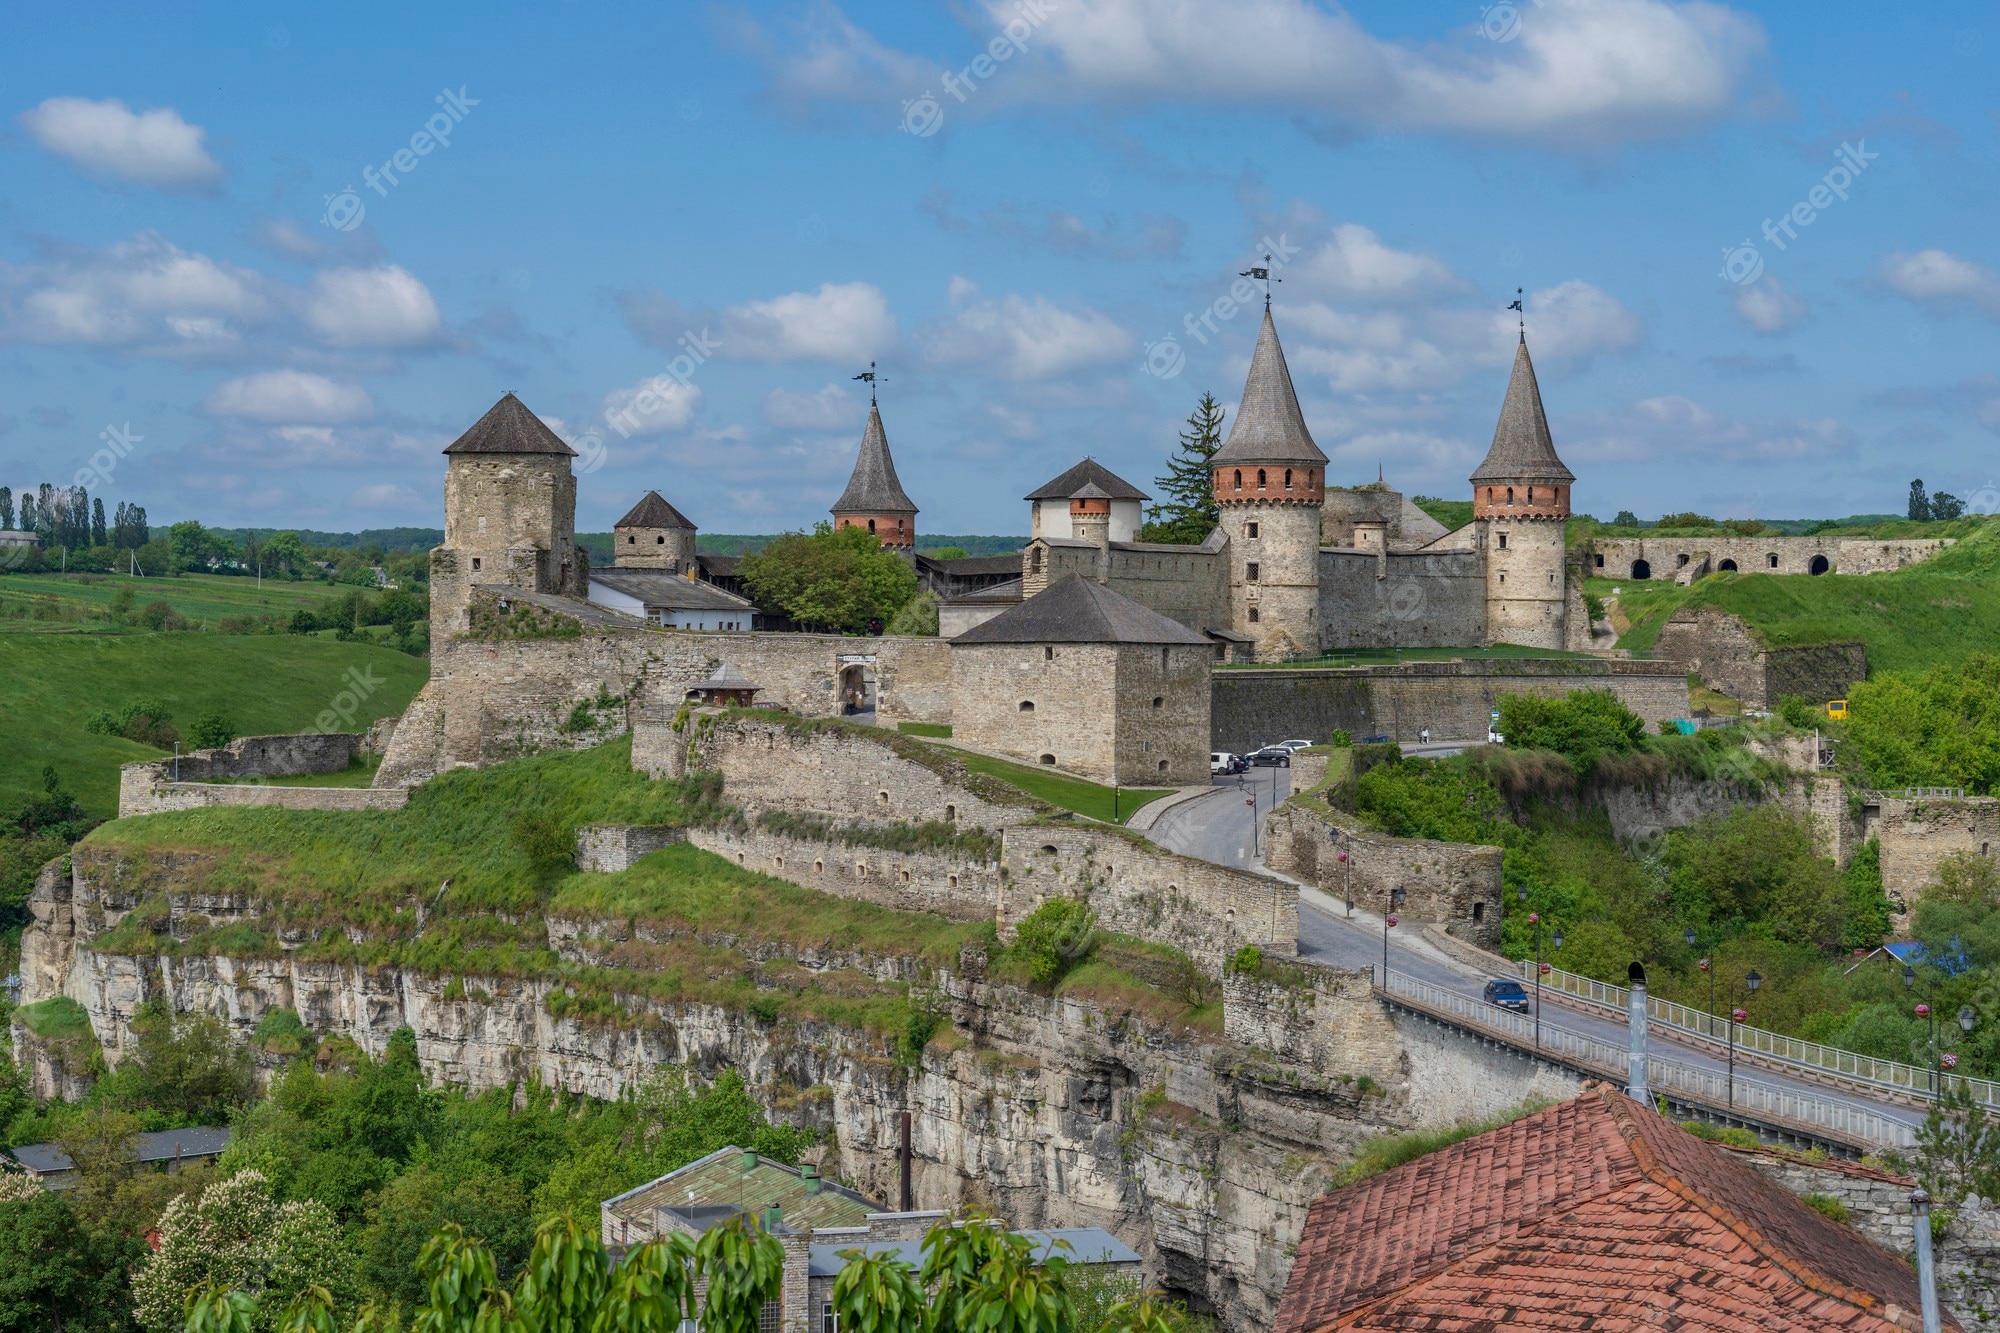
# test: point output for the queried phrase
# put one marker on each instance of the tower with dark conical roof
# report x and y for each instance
(1520, 502)
(874, 498)
(509, 515)
(1270, 482)
(654, 535)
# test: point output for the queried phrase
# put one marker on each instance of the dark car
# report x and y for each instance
(1508, 995)
(1375, 740)
(1271, 756)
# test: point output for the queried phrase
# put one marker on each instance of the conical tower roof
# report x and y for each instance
(1269, 427)
(509, 427)
(1522, 449)
(654, 512)
(873, 489)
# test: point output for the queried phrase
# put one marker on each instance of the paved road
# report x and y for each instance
(1217, 828)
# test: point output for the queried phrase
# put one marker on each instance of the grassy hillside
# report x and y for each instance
(1936, 612)
(40, 601)
(1454, 514)
(265, 684)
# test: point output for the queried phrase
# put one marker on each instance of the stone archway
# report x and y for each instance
(1820, 565)
(1641, 570)
(857, 691)
(1726, 567)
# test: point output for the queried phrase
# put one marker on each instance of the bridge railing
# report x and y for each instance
(1864, 1072)
(1748, 1097)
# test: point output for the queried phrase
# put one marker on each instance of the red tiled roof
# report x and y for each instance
(1594, 1214)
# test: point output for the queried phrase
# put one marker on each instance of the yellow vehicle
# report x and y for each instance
(1837, 708)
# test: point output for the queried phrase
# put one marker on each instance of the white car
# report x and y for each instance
(1495, 738)
(1221, 761)
(1293, 745)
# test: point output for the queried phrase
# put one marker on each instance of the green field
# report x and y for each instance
(265, 684)
(1085, 798)
(1937, 612)
(196, 597)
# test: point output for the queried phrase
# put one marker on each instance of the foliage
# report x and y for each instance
(57, 1274)
(1939, 727)
(1453, 514)
(1247, 961)
(1054, 938)
(541, 839)
(1958, 1148)
(1580, 726)
(236, 1236)
(1799, 712)
(1757, 864)
(1962, 877)
(1827, 1206)
(839, 579)
(146, 721)
(1187, 512)
(1729, 1135)
(184, 1066)
(1389, 1151)
(919, 617)
(210, 731)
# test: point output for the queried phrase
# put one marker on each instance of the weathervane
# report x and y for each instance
(1515, 306)
(1263, 273)
(870, 376)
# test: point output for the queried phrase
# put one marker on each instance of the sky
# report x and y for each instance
(1756, 246)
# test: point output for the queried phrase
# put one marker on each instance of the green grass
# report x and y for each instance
(1454, 514)
(197, 597)
(1393, 1150)
(58, 1018)
(1937, 612)
(933, 729)
(360, 773)
(265, 684)
(1085, 798)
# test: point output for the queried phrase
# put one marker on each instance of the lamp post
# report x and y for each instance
(1750, 982)
(1396, 897)
(1967, 1019)
(1251, 801)
(1541, 970)
(1346, 858)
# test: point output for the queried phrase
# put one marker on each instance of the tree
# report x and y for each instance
(1187, 513)
(284, 551)
(1945, 506)
(1958, 1148)
(185, 1065)
(1937, 728)
(210, 730)
(6, 507)
(235, 1236)
(1580, 726)
(97, 521)
(950, 553)
(839, 579)
(1625, 519)
(1920, 507)
(57, 1275)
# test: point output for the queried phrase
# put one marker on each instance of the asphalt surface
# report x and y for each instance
(1218, 828)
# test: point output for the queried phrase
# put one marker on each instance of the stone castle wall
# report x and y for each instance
(150, 787)
(947, 882)
(1401, 599)
(1729, 656)
(1915, 834)
(1453, 699)
(1187, 584)
(1456, 885)
(613, 847)
(1613, 557)
(1527, 588)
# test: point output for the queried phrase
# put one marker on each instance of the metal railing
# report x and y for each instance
(1864, 1072)
(1782, 1107)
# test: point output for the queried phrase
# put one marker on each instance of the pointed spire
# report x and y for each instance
(1269, 427)
(873, 488)
(1522, 448)
(509, 427)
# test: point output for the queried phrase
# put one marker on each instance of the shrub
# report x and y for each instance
(1054, 938)
(544, 840)
(1580, 726)
(1248, 961)
(1187, 981)
(302, 622)
(1826, 1205)
(1798, 711)
(1340, 739)
(210, 731)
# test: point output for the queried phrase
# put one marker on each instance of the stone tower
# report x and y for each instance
(1520, 502)
(655, 535)
(1270, 481)
(874, 499)
(509, 516)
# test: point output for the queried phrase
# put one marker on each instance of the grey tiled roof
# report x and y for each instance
(1077, 610)
(510, 428)
(1269, 427)
(664, 588)
(1522, 449)
(653, 512)
(1088, 472)
(968, 565)
(1000, 594)
(873, 489)
(158, 1146)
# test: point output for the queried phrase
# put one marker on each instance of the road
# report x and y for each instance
(1216, 828)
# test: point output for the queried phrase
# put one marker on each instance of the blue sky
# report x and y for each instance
(1028, 247)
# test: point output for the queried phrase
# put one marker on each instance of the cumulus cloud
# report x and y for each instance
(828, 408)
(841, 321)
(289, 396)
(1576, 320)
(1674, 424)
(145, 292)
(106, 139)
(1354, 263)
(652, 406)
(1021, 338)
(372, 307)
(1582, 73)
(1767, 307)
(1943, 280)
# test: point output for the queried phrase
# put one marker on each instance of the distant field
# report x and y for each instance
(1940, 611)
(196, 597)
(266, 684)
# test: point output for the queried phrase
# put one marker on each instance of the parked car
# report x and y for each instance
(1271, 756)
(1294, 745)
(1375, 740)
(1508, 995)
(1495, 738)
(1221, 761)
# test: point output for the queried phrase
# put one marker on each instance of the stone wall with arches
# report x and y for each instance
(1677, 557)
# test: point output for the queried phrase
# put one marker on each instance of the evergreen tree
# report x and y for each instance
(6, 506)
(1920, 506)
(97, 522)
(1187, 513)
(1945, 506)
(29, 522)
(45, 514)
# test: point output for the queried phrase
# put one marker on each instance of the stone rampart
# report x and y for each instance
(196, 779)
(1454, 699)
(1916, 833)
(1401, 599)
(946, 882)
(1457, 885)
(1664, 557)
(1320, 1018)
(613, 847)
(1731, 657)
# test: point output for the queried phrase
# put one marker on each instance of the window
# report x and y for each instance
(1250, 531)
(1479, 911)
(819, 867)
(882, 799)
(1035, 560)
(475, 564)
(1510, 495)
(1163, 671)
(1027, 705)
(1260, 479)
(631, 541)
(1531, 495)
(871, 525)
(1239, 479)
(1253, 615)
(904, 874)
(1503, 578)
(1503, 541)
(1773, 558)
(1159, 701)
(1163, 765)
(1050, 760)
(952, 880)
(951, 814)
(1048, 654)
(1288, 479)
(1600, 561)
(1680, 561)
(1250, 572)
(659, 541)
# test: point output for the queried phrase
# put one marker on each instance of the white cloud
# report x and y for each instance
(145, 291)
(388, 495)
(652, 406)
(827, 408)
(1942, 279)
(842, 321)
(1671, 424)
(1575, 320)
(1354, 263)
(1019, 338)
(1582, 73)
(289, 396)
(154, 147)
(1767, 307)
(372, 307)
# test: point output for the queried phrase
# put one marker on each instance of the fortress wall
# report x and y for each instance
(151, 799)
(1454, 884)
(945, 882)
(1402, 600)
(611, 847)
(1329, 1025)
(1916, 834)
(1453, 699)
(1189, 586)
(1729, 656)
(1846, 555)
(199, 778)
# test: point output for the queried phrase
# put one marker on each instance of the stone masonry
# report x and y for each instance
(1730, 657)
(149, 787)
(1456, 885)
(1664, 557)
(612, 847)
(1915, 834)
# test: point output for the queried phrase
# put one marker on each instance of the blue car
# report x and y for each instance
(1508, 995)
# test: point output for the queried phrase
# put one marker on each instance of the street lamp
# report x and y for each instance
(1967, 1020)
(1396, 897)
(1345, 859)
(1751, 981)
(1251, 801)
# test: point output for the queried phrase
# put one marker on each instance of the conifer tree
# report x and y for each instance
(1920, 505)
(97, 522)
(1186, 513)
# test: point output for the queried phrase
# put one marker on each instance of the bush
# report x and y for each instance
(545, 841)
(1798, 711)
(1248, 961)
(1580, 726)
(1054, 938)
(1340, 740)
(1826, 1205)
(211, 731)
